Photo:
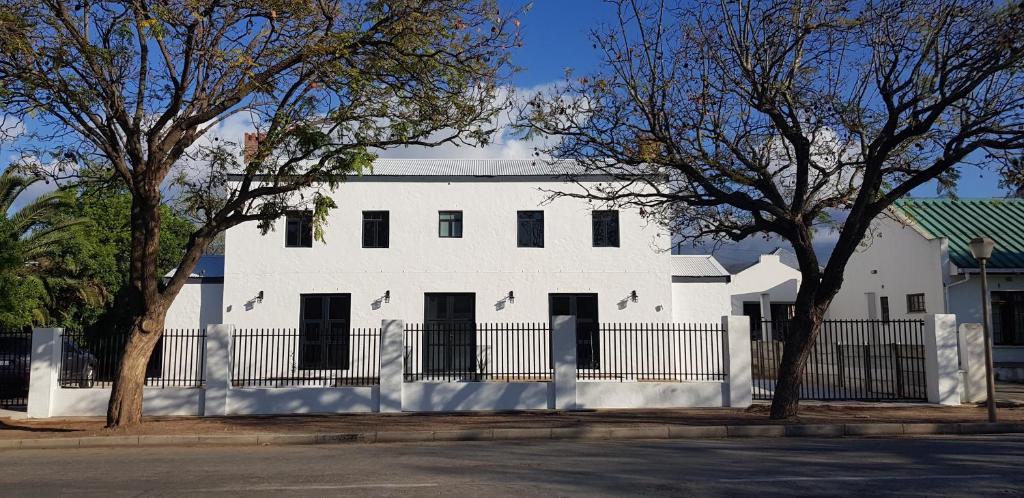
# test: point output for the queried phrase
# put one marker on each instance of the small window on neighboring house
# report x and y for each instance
(299, 229)
(915, 303)
(883, 303)
(449, 224)
(531, 228)
(375, 229)
(606, 228)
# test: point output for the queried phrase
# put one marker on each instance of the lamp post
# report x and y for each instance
(981, 249)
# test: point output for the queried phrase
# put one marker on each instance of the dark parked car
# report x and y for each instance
(15, 363)
(78, 368)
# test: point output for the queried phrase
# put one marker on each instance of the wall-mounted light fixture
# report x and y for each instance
(387, 296)
(633, 296)
(511, 297)
(259, 297)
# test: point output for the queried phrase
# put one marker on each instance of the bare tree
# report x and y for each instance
(726, 119)
(139, 84)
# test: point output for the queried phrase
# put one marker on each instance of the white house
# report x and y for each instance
(765, 290)
(917, 260)
(452, 241)
(700, 289)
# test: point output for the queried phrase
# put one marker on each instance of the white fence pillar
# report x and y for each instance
(42, 384)
(942, 371)
(736, 335)
(218, 369)
(563, 351)
(972, 362)
(392, 363)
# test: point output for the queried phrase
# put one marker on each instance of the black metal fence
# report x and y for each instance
(498, 352)
(305, 358)
(15, 367)
(864, 360)
(646, 352)
(178, 359)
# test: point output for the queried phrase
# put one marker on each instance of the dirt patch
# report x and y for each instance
(757, 414)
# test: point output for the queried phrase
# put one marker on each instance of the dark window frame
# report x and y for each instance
(303, 231)
(605, 228)
(455, 225)
(530, 229)
(883, 306)
(916, 303)
(1008, 318)
(378, 230)
(325, 340)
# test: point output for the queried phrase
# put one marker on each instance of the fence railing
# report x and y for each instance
(866, 360)
(178, 359)
(498, 352)
(642, 352)
(305, 358)
(15, 365)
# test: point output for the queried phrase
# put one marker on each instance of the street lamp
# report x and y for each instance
(981, 249)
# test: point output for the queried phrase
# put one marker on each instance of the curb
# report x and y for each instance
(536, 434)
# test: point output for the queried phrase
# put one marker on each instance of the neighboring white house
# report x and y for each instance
(200, 301)
(918, 260)
(700, 289)
(765, 290)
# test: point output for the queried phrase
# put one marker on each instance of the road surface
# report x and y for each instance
(854, 467)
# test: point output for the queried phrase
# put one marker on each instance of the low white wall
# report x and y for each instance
(652, 394)
(476, 396)
(155, 401)
(284, 401)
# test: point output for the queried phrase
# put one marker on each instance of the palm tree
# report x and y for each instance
(31, 241)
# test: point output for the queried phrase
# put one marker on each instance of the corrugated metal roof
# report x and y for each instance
(959, 221)
(697, 265)
(474, 167)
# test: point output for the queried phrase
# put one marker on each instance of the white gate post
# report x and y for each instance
(736, 336)
(392, 365)
(42, 383)
(972, 362)
(563, 352)
(218, 369)
(940, 350)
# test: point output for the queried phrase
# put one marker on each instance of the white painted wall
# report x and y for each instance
(485, 261)
(769, 275)
(895, 260)
(699, 300)
(197, 305)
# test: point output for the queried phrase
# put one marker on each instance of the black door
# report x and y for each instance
(449, 333)
(324, 331)
(584, 308)
(752, 309)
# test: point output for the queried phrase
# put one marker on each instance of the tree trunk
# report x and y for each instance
(803, 333)
(125, 407)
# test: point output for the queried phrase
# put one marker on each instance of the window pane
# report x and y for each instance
(530, 229)
(299, 230)
(375, 229)
(606, 228)
(339, 308)
(449, 224)
(313, 308)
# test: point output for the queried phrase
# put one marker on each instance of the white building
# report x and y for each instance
(451, 241)
(917, 260)
(700, 289)
(765, 290)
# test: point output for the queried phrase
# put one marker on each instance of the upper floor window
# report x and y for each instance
(530, 228)
(449, 224)
(299, 229)
(375, 229)
(915, 303)
(606, 228)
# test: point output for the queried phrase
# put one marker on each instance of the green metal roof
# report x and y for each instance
(959, 221)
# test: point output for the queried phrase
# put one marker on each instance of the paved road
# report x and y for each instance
(925, 467)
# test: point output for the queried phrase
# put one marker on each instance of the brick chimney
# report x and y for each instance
(251, 145)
